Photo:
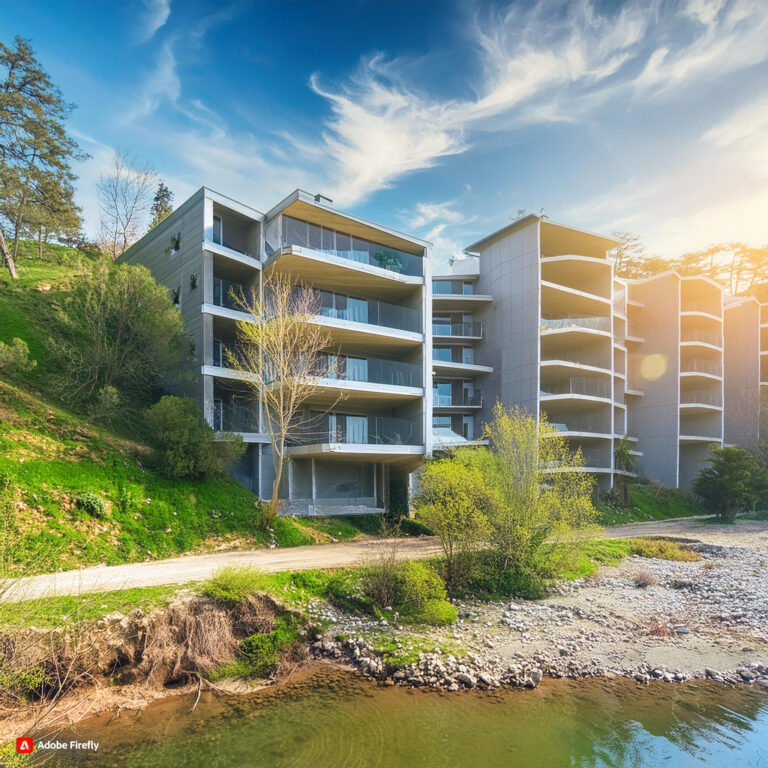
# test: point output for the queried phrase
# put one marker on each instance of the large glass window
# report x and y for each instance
(217, 230)
(441, 422)
(468, 288)
(468, 355)
(441, 286)
(441, 353)
(441, 325)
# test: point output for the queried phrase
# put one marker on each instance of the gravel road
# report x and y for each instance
(189, 568)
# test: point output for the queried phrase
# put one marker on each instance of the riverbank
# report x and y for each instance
(694, 620)
(699, 619)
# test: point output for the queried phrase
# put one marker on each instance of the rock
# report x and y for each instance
(682, 630)
(466, 679)
(536, 675)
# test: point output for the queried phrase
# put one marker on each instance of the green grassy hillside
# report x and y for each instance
(648, 501)
(54, 456)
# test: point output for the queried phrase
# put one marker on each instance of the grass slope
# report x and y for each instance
(53, 456)
(649, 501)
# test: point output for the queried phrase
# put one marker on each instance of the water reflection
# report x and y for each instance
(330, 720)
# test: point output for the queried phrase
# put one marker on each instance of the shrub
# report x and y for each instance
(732, 483)
(645, 579)
(262, 651)
(232, 585)
(185, 445)
(663, 549)
(91, 504)
(495, 580)
(14, 357)
(438, 613)
(418, 583)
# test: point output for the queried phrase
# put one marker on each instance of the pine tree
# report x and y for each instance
(162, 205)
(35, 149)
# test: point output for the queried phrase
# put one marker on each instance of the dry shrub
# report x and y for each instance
(659, 628)
(645, 579)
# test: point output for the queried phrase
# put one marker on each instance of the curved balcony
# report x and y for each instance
(701, 338)
(694, 401)
(576, 389)
(557, 363)
(569, 331)
(572, 301)
(580, 428)
(694, 369)
(586, 275)
(460, 402)
(459, 370)
(706, 309)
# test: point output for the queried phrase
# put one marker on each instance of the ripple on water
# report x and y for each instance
(335, 719)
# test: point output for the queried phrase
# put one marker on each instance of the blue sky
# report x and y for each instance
(440, 118)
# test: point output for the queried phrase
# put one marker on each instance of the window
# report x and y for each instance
(217, 353)
(467, 355)
(441, 286)
(441, 353)
(441, 325)
(217, 230)
(218, 415)
(441, 422)
(468, 289)
(441, 393)
(468, 428)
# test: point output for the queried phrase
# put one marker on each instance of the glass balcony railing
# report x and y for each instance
(343, 246)
(702, 396)
(226, 293)
(575, 321)
(369, 311)
(373, 370)
(360, 430)
(576, 424)
(577, 386)
(467, 399)
(569, 357)
(228, 417)
(705, 337)
(471, 330)
(701, 366)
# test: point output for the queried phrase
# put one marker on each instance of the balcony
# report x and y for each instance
(708, 338)
(701, 308)
(703, 367)
(458, 330)
(242, 419)
(374, 370)
(464, 400)
(369, 312)
(577, 385)
(457, 296)
(701, 400)
(584, 427)
(226, 293)
(577, 323)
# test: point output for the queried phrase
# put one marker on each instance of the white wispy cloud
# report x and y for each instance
(155, 17)
(161, 85)
(428, 213)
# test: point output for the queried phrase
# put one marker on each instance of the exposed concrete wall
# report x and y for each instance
(655, 370)
(509, 270)
(741, 331)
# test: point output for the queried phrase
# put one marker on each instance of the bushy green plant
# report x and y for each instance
(438, 613)
(663, 549)
(233, 584)
(418, 584)
(185, 445)
(262, 651)
(91, 504)
(15, 357)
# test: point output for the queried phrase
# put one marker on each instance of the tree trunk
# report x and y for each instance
(7, 260)
(624, 492)
(273, 509)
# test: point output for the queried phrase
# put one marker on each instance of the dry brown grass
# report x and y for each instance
(659, 628)
(645, 579)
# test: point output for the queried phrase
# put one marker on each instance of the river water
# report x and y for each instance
(331, 719)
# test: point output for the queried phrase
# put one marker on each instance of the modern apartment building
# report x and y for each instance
(371, 421)
(671, 363)
(555, 334)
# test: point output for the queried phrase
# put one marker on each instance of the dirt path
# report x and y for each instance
(182, 570)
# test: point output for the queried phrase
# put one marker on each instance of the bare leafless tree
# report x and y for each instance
(283, 354)
(125, 196)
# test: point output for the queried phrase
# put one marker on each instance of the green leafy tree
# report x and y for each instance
(185, 445)
(732, 483)
(456, 504)
(35, 149)
(546, 509)
(162, 205)
(119, 330)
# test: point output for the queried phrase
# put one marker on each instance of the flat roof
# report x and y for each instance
(556, 231)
